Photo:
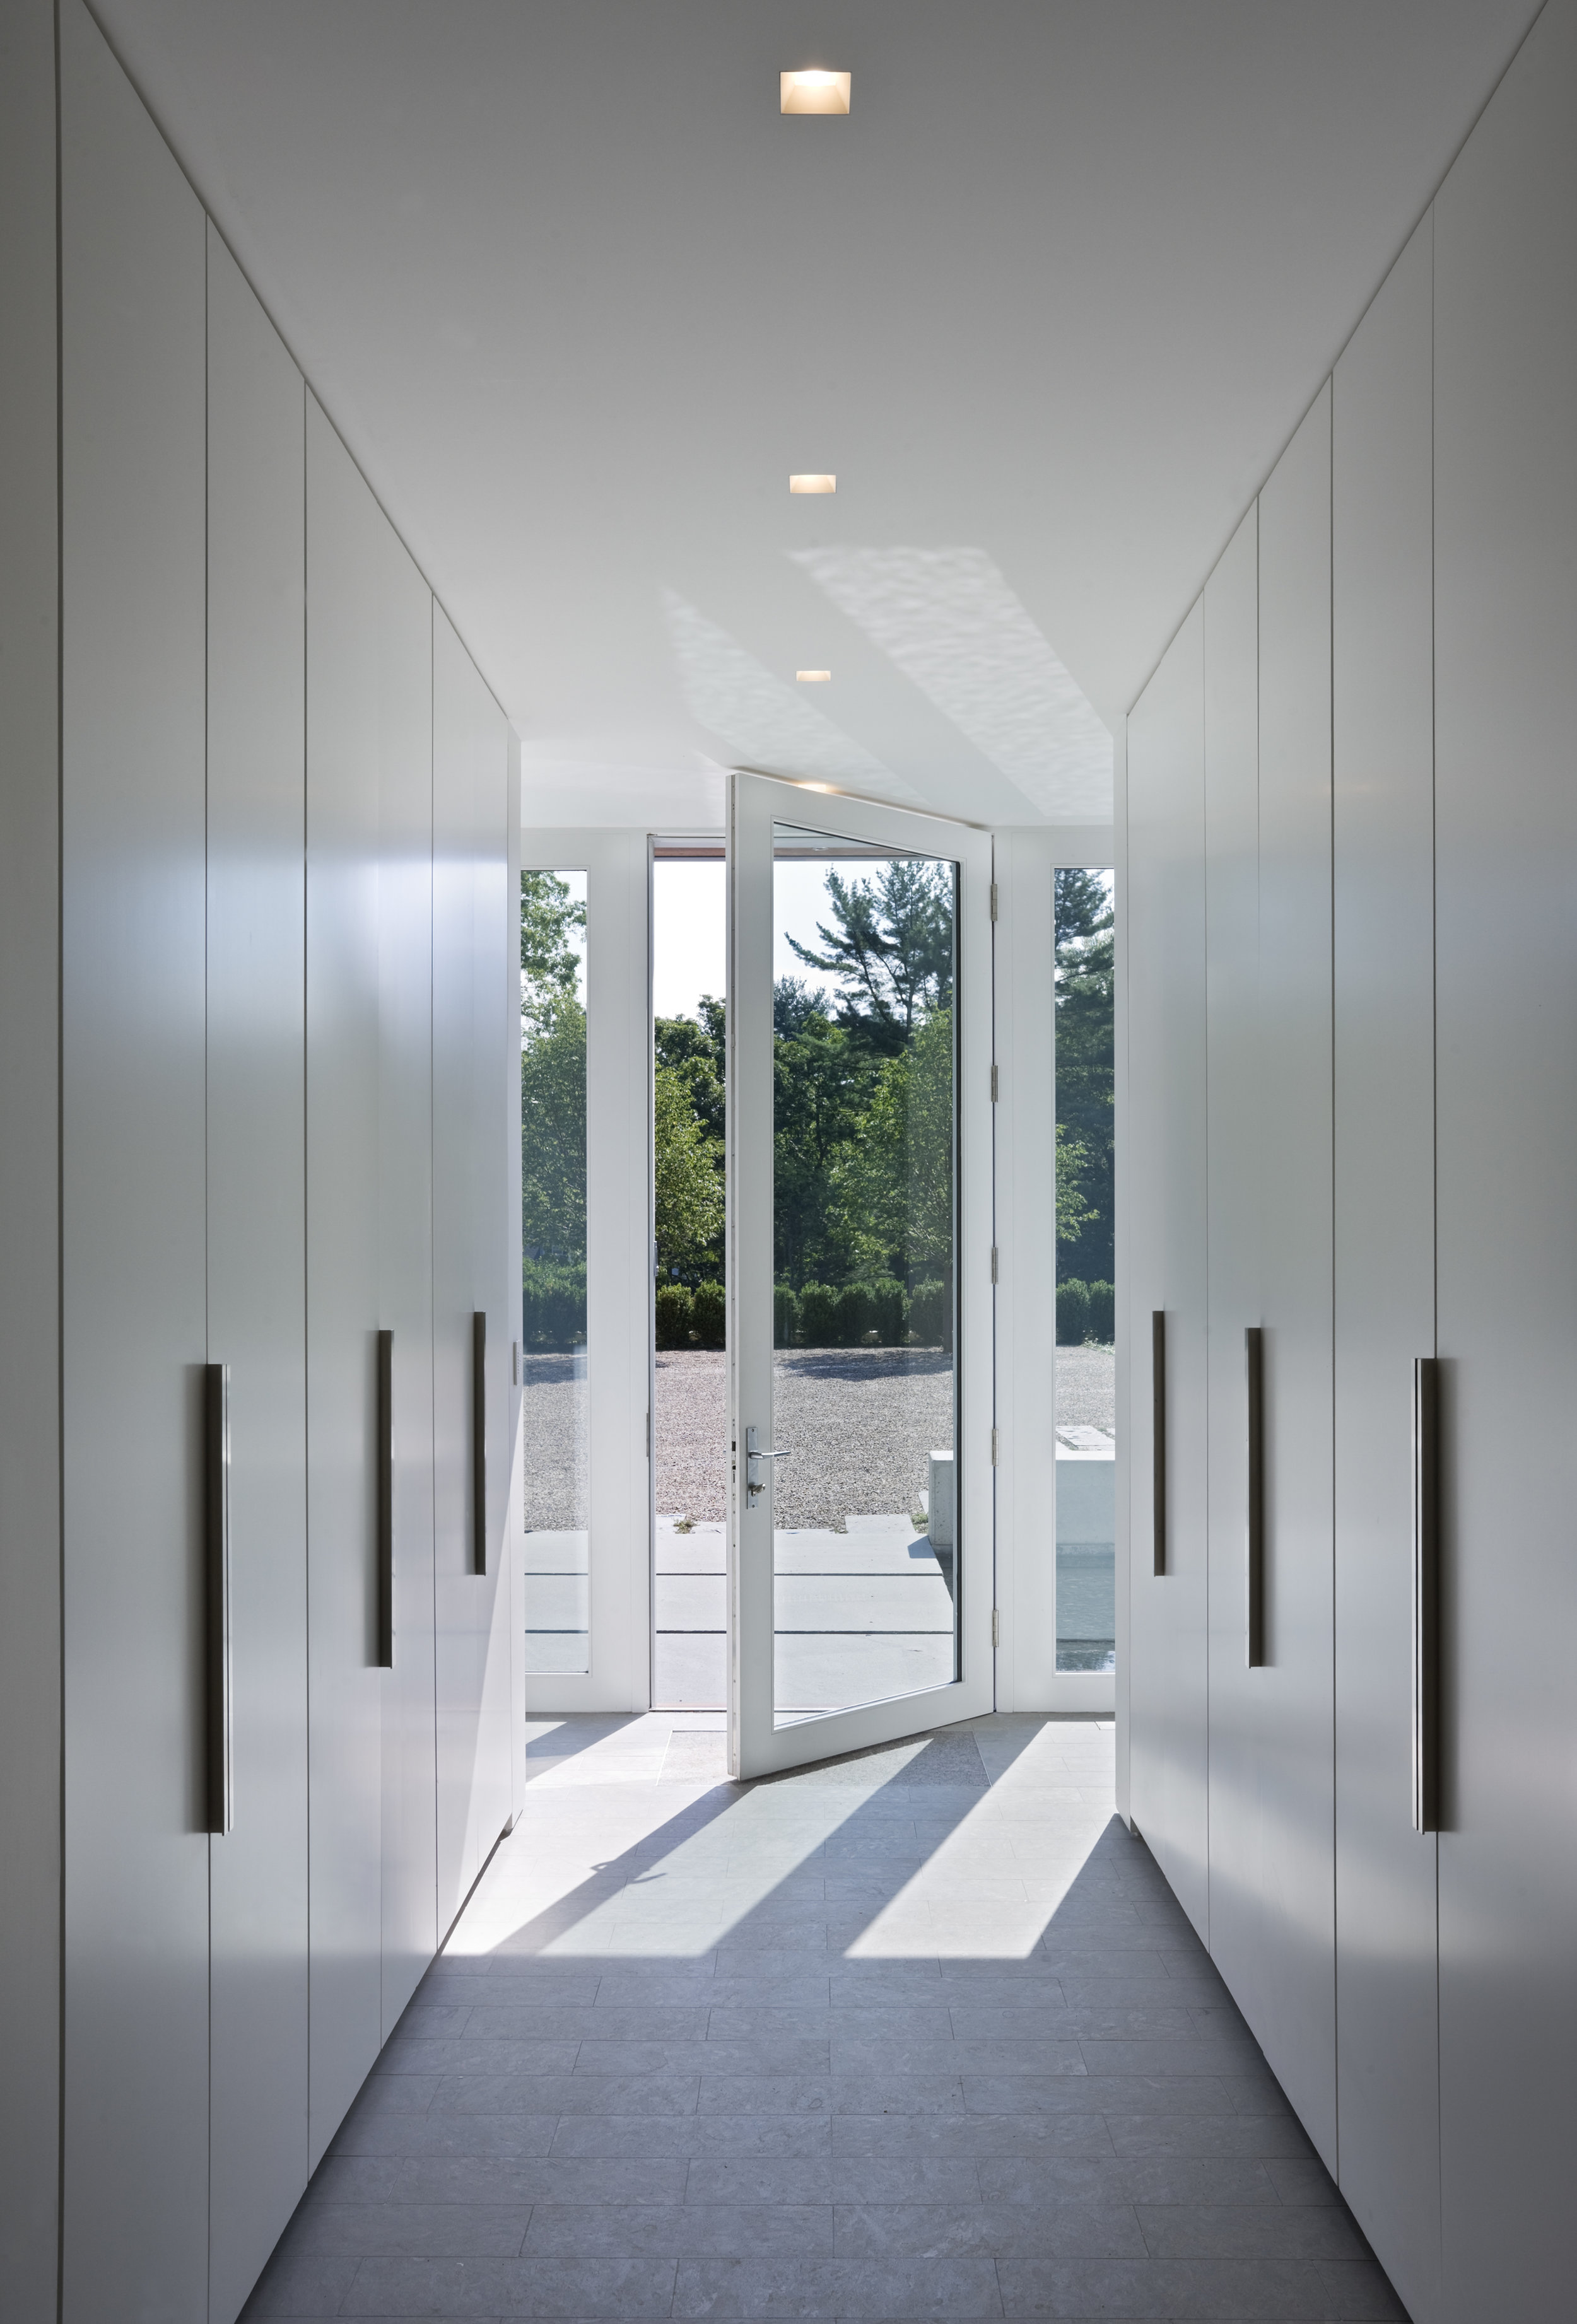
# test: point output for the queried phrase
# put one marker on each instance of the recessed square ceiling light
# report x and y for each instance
(812, 676)
(813, 483)
(814, 91)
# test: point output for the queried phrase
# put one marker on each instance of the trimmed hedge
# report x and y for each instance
(1085, 1312)
(552, 1307)
(688, 1318)
(879, 1314)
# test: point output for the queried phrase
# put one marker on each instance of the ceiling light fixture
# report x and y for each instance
(812, 676)
(814, 91)
(813, 483)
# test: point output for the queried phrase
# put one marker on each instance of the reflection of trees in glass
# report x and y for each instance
(1084, 1165)
(892, 1183)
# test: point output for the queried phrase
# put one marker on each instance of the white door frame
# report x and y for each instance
(618, 1271)
(1027, 1678)
(756, 1745)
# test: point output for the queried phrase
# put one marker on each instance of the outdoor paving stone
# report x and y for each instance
(437, 2230)
(571, 2289)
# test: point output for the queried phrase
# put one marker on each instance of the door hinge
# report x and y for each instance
(993, 900)
(996, 1626)
(994, 1091)
(993, 1448)
(993, 1262)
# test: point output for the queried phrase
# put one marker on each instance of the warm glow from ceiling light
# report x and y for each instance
(801, 786)
(813, 483)
(814, 91)
(812, 676)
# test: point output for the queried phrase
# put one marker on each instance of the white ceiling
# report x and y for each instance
(1050, 302)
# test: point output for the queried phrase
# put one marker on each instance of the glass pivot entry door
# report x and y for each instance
(859, 1302)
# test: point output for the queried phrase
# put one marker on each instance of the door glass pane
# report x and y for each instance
(555, 1416)
(689, 1400)
(864, 1387)
(1086, 1380)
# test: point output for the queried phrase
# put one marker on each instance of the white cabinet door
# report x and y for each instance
(476, 1066)
(866, 1437)
(1233, 1070)
(403, 611)
(1271, 1864)
(1505, 774)
(257, 1259)
(135, 2229)
(1166, 1114)
(345, 574)
(1383, 822)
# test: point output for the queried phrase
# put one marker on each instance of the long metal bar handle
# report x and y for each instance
(384, 1426)
(1159, 1433)
(1426, 1594)
(1254, 1353)
(479, 1441)
(219, 1801)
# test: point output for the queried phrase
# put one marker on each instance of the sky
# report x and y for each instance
(688, 935)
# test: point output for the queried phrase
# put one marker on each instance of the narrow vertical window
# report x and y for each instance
(1087, 1378)
(555, 1407)
(690, 1457)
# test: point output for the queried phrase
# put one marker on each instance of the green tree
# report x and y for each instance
(688, 1181)
(1085, 943)
(552, 1071)
(821, 1084)
(550, 961)
(892, 1185)
(890, 948)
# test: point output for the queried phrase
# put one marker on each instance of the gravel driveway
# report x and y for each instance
(859, 1422)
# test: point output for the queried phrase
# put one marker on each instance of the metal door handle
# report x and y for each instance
(1254, 1349)
(1159, 1433)
(1426, 1594)
(384, 1425)
(216, 1722)
(755, 1483)
(479, 1441)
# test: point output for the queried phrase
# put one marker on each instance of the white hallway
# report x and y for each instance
(920, 2033)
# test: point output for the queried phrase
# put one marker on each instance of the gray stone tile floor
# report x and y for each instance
(917, 2034)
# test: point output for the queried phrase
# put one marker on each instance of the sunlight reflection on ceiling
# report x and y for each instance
(950, 621)
(762, 719)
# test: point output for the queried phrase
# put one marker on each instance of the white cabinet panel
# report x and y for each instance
(1271, 1865)
(476, 1051)
(1506, 702)
(30, 1367)
(1383, 818)
(403, 612)
(1232, 1080)
(256, 1258)
(346, 551)
(1166, 1128)
(135, 2228)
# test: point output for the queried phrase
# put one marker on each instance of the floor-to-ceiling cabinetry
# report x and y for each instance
(133, 1197)
(1506, 1096)
(1165, 908)
(257, 1264)
(258, 1858)
(1387, 1100)
(1383, 1054)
